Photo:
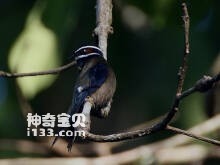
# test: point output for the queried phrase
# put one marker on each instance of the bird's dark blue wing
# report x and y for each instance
(96, 76)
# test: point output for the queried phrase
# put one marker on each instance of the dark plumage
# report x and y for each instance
(96, 80)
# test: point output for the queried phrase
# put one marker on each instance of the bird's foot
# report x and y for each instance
(90, 100)
(105, 111)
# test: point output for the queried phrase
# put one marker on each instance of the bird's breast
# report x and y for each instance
(105, 93)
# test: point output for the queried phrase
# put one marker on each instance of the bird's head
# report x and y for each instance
(83, 54)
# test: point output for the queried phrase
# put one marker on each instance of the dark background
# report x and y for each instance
(145, 52)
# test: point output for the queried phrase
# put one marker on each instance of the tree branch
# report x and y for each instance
(182, 69)
(202, 83)
(52, 71)
(180, 131)
(103, 23)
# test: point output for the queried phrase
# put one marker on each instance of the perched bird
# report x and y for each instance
(96, 81)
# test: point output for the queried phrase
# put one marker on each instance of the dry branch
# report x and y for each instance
(103, 23)
(202, 83)
(52, 71)
(180, 131)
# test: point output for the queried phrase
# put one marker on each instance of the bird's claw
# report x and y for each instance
(90, 100)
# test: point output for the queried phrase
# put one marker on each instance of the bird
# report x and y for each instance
(96, 82)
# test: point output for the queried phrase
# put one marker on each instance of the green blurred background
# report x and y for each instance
(144, 51)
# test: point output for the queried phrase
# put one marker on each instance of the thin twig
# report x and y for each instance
(209, 126)
(180, 131)
(47, 72)
(182, 69)
(202, 85)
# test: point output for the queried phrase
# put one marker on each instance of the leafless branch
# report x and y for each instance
(203, 83)
(180, 131)
(103, 23)
(207, 127)
(52, 71)
(182, 69)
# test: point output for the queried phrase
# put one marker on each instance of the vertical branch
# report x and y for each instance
(87, 107)
(183, 68)
(103, 23)
(103, 28)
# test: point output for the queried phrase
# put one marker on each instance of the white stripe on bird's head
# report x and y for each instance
(90, 47)
(87, 51)
(86, 55)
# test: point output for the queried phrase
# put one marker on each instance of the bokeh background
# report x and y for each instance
(144, 51)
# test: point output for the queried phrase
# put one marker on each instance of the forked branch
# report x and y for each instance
(160, 125)
(202, 85)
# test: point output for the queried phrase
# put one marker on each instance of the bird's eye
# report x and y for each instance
(87, 51)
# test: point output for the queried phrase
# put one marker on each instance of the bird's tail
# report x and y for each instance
(70, 139)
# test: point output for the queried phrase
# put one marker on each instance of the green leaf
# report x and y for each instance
(36, 49)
